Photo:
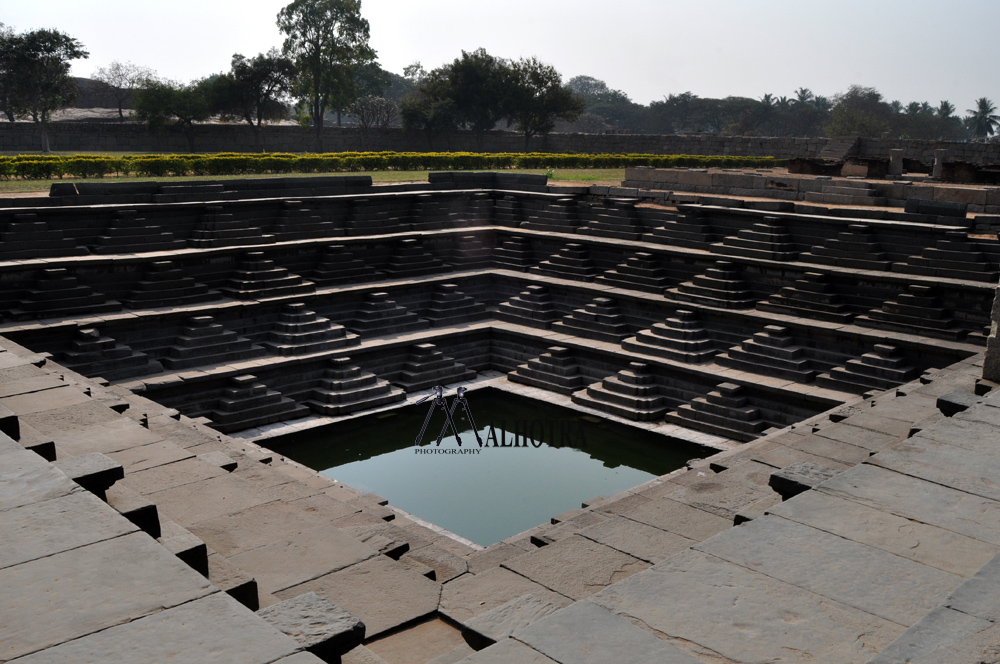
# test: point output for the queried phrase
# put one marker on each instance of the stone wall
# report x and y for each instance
(973, 153)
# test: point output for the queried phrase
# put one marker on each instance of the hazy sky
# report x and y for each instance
(911, 50)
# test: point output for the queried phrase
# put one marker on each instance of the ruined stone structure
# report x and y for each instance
(821, 350)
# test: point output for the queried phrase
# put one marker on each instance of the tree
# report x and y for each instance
(946, 109)
(982, 120)
(38, 66)
(374, 114)
(479, 83)
(537, 98)
(121, 81)
(8, 72)
(326, 38)
(861, 111)
(614, 106)
(804, 96)
(430, 108)
(253, 91)
(165, 105)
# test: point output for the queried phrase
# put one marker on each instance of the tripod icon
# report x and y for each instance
(440, 401)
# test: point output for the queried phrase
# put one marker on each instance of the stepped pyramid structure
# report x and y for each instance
(411, 260)
(129, 233)
(641, 271)
(93, 354)
(299, 331)
(612, 217)
(470, 253)
(514, 254)
(854, 248)
(954, 257)
(812, 296)
(259, 278)
(772, 352)
(558, 216)
(687, 229)
(917, 311)
(202, 341)
(507, 211)
(247, 403)
(221, 229)
(532, 306)
(58, 293)
(165, 285)
(632, 393)
(556, 370)
(725, 411)
(881, 369)
(600, 319)
(337, 265)
(370, 216)
(767, 239)
(720, 286)
(25, 236)
(345, 388)
(378, 315)
(450, 306)
(297, 221)
(572, 262)
(427, 367)
(681, 338)
(430, 212)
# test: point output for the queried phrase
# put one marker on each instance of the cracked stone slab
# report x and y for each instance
(777, 621)
(913, 498)
(168, 476)
(94, 472)
(379, 591)
(851, 573)
(471, 595)
(71, 594)
(446, 565)
(926, 544)
(46, 528)
(499, 623)
(507, 651)
(637, 539)
(725, 494)
(317, 624)
(135, 459)
(211, 630)
(576, 567)
(586, 633)
(799, 477)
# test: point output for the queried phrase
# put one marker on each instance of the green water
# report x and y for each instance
(488, 493)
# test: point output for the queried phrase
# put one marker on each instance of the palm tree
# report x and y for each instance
(926, 108)
(913, 108)
(946, 109)
(896, 106)
(983, 120)
(822, 104)
(803, 96)
(767, 100)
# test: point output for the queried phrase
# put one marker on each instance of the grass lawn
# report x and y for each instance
(586, 176)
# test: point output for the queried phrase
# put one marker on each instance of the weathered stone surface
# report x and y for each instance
(471, 595)
(192, 503)
(499, 623)
(636, 539)
(798, 477)
(777, 621)
(220, 460)
(680, 519)
(586, 633)
(135, 459)
(492, 556)
(379, 591)
(214, 629)
(94, 472)
(507, 651)
(446, 565)
(429, 641)
(853, 574)
(302, 556)
(961, 468)
(981, 647)
(46, 528)
(254, 527)
(576, 567)
(980, 595)
(939, 628)
(71, 594)
(926, 544)
(33, 482)
(316, 624)
(168, 476)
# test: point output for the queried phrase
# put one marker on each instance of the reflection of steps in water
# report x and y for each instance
(681, 338)
(725, 411)
(556, 370)
(632, 393)
(246, 403)
(346, 388)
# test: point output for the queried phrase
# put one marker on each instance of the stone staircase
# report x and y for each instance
(847, 192)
